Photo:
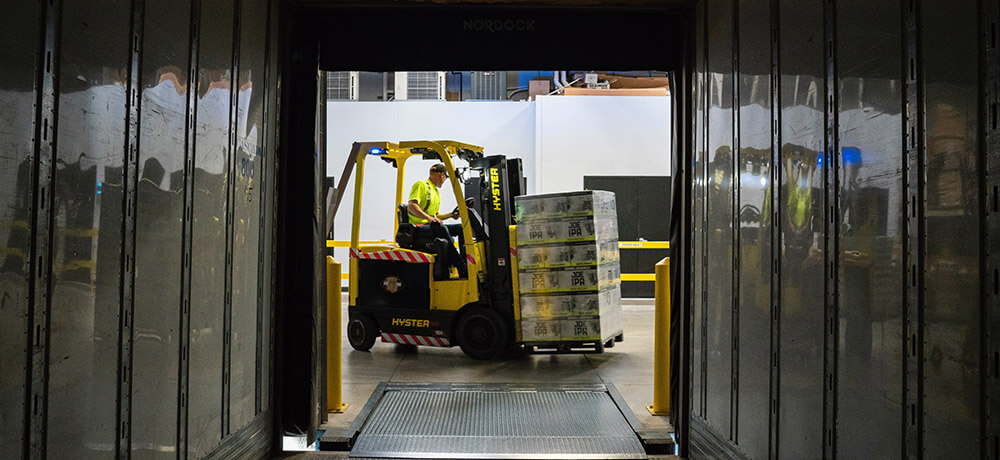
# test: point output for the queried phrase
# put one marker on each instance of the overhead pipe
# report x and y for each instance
(559, 78)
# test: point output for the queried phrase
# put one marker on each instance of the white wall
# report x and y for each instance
(599, 136)
(506, 128)
(560, 138)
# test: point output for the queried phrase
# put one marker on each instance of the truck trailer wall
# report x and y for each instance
(136, 169)
(842, 274)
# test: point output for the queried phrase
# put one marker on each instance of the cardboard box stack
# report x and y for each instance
(568, 270)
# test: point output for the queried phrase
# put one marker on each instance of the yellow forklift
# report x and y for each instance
(406, 292)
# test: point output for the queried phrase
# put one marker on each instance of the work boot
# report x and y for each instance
(440, 250)
(463, 270)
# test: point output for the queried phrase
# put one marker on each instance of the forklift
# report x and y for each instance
(406, 292)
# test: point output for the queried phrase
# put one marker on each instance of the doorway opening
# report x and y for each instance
(562, 131)
(401, 118)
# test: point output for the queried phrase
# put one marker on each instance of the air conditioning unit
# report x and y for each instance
(343, 85)
(488, 85)
(420, 85)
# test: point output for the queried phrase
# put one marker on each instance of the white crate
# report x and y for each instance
(541, 330)
(567, 230)
(548, 306)
(568, 254)
(569, 279)
(595, 203)
(583, 328)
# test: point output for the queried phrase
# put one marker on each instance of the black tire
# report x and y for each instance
(609, 343)
(620, 337)
(362, 332)
(481, 333)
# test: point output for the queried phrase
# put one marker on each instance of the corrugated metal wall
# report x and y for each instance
(843, 274)
(136, 169)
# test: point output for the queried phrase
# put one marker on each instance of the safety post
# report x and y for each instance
(661, 341)
(333, 370)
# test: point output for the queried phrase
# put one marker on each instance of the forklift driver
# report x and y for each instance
(425, 201)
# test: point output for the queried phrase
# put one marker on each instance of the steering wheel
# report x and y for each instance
(468, 203)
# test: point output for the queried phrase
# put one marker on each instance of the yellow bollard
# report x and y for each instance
(661, 341)
(333, 387)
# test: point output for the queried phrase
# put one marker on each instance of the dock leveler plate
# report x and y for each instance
(495, 421)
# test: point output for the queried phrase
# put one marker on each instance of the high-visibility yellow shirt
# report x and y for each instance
(428, 197)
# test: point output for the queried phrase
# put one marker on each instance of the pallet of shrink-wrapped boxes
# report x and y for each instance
(569, 277)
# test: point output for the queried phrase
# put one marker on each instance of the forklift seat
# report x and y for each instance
(407, 231)
(406, 238)
(406, 235)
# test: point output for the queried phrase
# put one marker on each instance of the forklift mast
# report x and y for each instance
(492, 193)
(516, 182)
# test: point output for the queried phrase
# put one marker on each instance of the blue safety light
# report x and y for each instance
(376, 151)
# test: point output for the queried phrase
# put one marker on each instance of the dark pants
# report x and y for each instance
(446, 232)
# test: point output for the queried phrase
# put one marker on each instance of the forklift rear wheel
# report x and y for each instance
(481, 333)
(620, 337)
(362, 332)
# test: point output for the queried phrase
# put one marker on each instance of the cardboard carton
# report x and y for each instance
(595, 203)
(568, 255)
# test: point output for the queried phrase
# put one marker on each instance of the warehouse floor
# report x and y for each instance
(628, 366)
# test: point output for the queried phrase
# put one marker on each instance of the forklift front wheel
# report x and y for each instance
(362, 332)
(482, 333)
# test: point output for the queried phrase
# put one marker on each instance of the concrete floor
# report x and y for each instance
(628, 366)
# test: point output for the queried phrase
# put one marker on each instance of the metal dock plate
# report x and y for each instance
(495, 421)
